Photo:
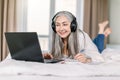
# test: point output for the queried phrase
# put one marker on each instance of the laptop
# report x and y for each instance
(25, 46)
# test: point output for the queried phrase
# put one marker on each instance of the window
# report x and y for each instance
(35, 16)
(38, 20)
(66, 5)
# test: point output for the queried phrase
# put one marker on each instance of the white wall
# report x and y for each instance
(114, 17)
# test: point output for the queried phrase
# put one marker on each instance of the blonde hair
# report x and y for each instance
(73, 40)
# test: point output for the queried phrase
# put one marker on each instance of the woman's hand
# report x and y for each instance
(82, 58)
(47, 56)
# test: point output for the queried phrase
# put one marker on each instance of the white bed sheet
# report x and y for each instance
(27, 77)
(108, 70)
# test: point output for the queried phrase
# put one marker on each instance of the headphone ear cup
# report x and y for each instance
(73, 25)
(53, 26)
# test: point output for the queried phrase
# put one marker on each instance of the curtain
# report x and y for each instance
(8, 22)
(95, 11)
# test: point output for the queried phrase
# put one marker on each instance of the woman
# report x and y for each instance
(70, 42)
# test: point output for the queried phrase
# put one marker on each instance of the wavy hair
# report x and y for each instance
(73, 40)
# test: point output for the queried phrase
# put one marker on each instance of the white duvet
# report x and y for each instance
(111, 67)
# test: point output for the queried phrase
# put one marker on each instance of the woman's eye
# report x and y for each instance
(65, 24)
(57, 25)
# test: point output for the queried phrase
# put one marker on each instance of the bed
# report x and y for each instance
(71, 70)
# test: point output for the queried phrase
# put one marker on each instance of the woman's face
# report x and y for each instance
(63, 26)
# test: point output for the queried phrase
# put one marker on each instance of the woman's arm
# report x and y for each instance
(90, 48)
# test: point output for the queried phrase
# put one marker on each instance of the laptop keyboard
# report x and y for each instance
(52, 60)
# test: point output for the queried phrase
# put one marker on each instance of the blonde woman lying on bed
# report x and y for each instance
(69, 42)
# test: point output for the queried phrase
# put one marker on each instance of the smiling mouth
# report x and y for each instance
(62, 33)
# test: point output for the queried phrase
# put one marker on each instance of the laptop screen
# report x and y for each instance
(24, 46)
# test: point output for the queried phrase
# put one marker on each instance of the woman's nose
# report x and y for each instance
(61, 27)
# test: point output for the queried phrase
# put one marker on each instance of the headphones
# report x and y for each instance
(73, 24)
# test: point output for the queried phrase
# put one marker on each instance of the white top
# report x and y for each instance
(89, 48)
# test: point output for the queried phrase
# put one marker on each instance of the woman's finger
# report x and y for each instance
(47, 56)
(79, 55)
